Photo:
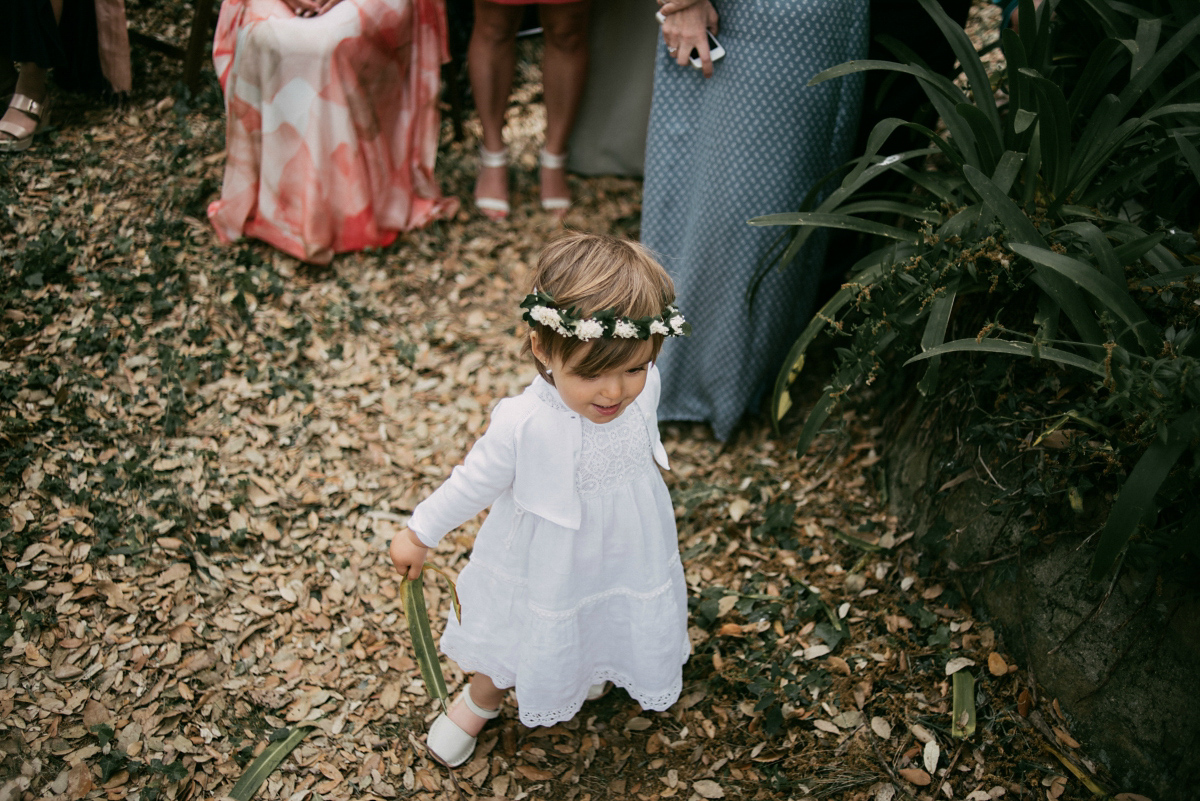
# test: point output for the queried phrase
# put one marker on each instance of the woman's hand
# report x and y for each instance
(684, 31)
(408, 553)
(310, 8)
(669, 7)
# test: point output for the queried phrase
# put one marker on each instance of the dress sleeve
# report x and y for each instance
(488, 470)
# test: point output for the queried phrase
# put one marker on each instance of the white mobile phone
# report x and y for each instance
(658, 15)
(715, 51)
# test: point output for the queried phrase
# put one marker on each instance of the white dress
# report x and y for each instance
(552, 610)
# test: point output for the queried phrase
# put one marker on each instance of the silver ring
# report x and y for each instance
(672, 50)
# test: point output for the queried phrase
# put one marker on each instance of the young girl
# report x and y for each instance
(575, 578)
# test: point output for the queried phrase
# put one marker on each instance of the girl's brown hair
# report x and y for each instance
(592, 273)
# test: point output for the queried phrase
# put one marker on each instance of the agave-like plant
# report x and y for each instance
(1063, 194)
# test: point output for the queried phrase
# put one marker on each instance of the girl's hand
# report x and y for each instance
(408, 553)
(684, 31)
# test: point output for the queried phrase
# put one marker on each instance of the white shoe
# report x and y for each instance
(498, 207)
(449, 744)
(550, 161)
(598, 691)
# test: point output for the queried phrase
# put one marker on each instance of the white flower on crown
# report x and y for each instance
(546, 316)
(589, 329)
(677, 325)
(625, 330)
(659, 327)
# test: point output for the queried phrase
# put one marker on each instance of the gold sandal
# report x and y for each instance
(20, 138)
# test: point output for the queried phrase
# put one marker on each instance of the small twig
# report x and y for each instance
(950, 770)
(989, 471)
(975, 568)
(886, 765)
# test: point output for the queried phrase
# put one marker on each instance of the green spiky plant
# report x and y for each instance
(1058, 227)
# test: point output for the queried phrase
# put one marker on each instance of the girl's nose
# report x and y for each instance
(610, 388)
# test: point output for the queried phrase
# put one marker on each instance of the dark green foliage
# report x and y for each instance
(1058, 228)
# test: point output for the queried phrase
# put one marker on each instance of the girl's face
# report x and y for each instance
(600, 398)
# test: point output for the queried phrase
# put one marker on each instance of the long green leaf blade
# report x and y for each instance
(816, 419)
(1166, 54)
(924, 74)
(1019, 227)
(267, 761)
(962, 725)
(1131, 251)
(838, 221)
(1137, 493)
(1010, 348)
(1114, 296)
(1102, 249)
(1055, 130)
(1148, 31)
(934, 335)
(453, 591)
(412, 592)
(964, 49)
(987, 140)
(1189, 153)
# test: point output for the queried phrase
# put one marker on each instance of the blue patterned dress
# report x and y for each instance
(751, 140)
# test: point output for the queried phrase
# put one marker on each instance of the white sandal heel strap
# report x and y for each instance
(493, 158)
(552, 162)
(486, 714)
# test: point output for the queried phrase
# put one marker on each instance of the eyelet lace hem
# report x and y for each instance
(651, 701)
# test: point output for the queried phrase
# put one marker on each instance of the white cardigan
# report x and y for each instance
(530, 449)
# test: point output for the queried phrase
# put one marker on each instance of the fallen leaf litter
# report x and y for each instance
(209, 447)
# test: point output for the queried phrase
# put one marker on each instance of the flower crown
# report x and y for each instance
(540, 308)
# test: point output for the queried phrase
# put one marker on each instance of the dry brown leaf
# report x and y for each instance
(839, 665)
(915, 776)
(1064, 738)
(79, 782)
(1024, 703)
(707, 788)
(996, 664)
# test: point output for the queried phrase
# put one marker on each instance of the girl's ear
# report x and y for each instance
(539, 352)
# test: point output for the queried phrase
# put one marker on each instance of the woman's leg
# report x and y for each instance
(491, 59)
(564, 73)
(31, 82)
(484, 694)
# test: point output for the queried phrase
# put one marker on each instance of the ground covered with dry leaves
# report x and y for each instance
(203, 451)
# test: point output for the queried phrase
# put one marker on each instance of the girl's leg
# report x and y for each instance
(564, 73)
(484, 694)
(31, 82)
(491, 59)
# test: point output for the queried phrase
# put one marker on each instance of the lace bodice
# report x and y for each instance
(612, 454)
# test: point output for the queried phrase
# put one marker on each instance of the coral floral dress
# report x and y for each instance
(332, 123)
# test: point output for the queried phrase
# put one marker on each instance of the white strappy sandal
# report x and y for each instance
(449, 744)
(500, 207)
(550, 161)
